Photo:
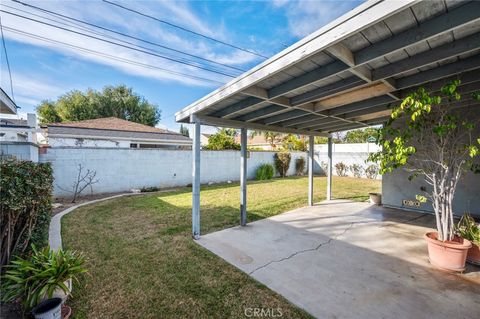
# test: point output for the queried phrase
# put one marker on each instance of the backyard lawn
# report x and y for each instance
(143, 262)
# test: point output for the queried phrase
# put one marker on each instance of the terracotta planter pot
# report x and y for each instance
(375, 198)
(448, 255)
(473, 255)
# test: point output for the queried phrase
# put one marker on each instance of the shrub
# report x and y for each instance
(341, 169)
(372, 171)
(149, 189)
(282, 162)
(37, 277)
(300, 166)
(324, 166)
(357, 170)
(25, 205)
(264, 171)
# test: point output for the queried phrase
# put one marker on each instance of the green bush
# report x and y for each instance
(282, 162)
(264, 171)
(25, 206)
(37, 277)
(357, 170)
(341, 169)
(300, 166)
(372, 171)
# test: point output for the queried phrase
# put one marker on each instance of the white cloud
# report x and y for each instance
(121, 20)
(305, 17)
(31, 89)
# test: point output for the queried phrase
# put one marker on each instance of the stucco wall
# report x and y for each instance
(396, 187)
(121, 170)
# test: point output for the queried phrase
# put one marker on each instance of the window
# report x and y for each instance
(133, 145)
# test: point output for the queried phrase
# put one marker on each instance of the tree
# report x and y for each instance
(293, 142)
(117, 101)
(428, 137)
(184, 131)
(223, 140)
(361, 135)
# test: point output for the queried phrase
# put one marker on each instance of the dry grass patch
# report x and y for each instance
(143, 263)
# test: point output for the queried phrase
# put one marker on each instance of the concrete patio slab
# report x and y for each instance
(343, 259)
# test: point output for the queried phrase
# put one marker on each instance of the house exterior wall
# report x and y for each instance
(396, 188)
(105, 143)
(120, 170)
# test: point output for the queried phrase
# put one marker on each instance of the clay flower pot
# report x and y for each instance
(375, 198)
(473, 255)
(448, 255)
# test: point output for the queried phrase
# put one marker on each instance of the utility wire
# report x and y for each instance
(185, 29)
(105, 55)
(118, 44)
(6, 58)
(78, 26)
(127, 35)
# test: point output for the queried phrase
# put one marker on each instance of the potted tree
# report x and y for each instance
(427, 136)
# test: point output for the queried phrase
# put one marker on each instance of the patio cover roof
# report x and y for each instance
(349, 73)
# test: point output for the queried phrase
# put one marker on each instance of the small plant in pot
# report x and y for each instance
(467, 228)
(431, 137)
(44, 275)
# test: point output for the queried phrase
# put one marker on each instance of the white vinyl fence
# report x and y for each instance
(346, 153)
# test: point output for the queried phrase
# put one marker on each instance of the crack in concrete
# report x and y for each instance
(304, 250)
(332, 239)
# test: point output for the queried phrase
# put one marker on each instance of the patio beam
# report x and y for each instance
(196, 179)
(243, 176)
(261, 113)
(329, 169)
(283, 117)
(462, 15)
(311, 140)
(214, 121)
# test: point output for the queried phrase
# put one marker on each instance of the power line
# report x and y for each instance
(185, 29)
(118, 44)
(127, 35)
(105, 55)
(77, 25)
(6, 58)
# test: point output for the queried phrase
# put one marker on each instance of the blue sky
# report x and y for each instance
(42, 70)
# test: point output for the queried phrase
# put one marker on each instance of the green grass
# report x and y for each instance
(143, 263)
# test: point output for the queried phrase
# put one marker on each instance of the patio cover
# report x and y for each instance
(350, 73)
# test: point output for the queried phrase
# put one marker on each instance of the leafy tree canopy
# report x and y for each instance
(117, 101)
(361, 135)
(223, 140)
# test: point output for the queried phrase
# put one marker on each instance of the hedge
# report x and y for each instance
(25, 206)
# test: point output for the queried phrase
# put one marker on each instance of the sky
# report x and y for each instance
(43, 70)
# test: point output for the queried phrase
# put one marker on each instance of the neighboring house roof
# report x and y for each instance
(7, 106)
(13, 123)
(112, 127)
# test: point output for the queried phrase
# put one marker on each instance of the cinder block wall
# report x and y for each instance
(120, 170)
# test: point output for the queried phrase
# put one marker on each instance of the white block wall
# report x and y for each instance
(120, 170)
